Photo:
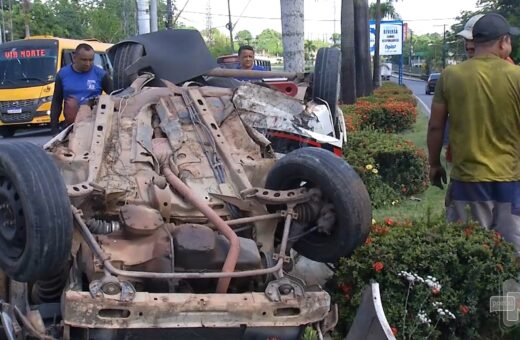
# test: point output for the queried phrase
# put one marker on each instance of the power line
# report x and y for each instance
(320, 20)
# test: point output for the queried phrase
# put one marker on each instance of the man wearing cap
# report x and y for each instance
(482, 96)
(469, 46)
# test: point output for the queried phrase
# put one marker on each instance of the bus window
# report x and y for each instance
(25, 65)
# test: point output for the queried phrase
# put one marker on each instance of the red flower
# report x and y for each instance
(464, 309)
(436, 291)
(378, 266)
(468, 231)
(500, 267)
(380, 230)
(345, 288)
(389, 221)
(394, 330)
(368, 241)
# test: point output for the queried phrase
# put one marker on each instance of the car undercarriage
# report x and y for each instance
(166, 210)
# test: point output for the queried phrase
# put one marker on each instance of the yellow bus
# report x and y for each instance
(27, 71)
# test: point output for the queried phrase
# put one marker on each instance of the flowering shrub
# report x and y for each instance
(401, 168)
(388, 114)
(391, 116)
(435, 279)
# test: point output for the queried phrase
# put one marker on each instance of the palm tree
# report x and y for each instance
(348, 57)
(387, 11)
(292, 35)
(361, 33)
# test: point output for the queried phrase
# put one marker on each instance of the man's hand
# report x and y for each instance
(437, 176)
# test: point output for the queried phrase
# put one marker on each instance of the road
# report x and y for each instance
(38, 136)
(417, 87)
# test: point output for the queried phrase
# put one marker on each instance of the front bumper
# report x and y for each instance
(193, 310)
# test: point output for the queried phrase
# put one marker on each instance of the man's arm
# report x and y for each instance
(438, 117)
(434, 138)
(57, 101)
(106, 84)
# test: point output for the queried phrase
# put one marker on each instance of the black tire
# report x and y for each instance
(35, 215)
(125, 56)
(326, 79)
(341, 186)
(7, 131)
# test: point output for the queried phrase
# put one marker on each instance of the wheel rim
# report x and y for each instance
(12, 224)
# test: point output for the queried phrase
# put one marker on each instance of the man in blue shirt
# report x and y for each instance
(77, 84)
(246, 56)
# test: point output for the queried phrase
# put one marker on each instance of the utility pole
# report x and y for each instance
(153, 15)
(143, 16)
(229, 26)
(169, 14)
(444, 48)
(2, 28)
(411, 48)
(11, 19)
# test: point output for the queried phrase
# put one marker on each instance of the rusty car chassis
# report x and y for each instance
(165, 211)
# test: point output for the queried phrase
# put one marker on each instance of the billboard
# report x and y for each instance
(391, 39)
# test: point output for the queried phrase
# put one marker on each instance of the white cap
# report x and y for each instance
(467, 32)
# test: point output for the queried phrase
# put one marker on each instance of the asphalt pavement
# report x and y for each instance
(36, 135)
(418, 88)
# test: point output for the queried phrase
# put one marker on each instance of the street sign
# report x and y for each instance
(391, 37)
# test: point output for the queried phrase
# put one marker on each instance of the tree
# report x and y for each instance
(292, 35)
(336, 39)
(219, 44)
(348, 59)
(362, 51)
(310, 50)
(244, 37)
(387, 11)
(269, 41)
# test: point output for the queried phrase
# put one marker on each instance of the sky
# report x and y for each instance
(322, 17)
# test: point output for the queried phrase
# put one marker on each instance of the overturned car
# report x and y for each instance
(165, 210)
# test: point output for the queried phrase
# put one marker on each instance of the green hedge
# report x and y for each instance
(389, 165)
(460, 268)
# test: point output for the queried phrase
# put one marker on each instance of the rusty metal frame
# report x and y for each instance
(178, 310)
(105, 259)
(102, 126)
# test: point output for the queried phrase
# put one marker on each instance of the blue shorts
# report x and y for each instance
(494, 205)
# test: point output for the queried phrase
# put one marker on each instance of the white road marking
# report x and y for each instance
(427, 109)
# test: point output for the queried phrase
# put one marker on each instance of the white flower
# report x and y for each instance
(423, 317)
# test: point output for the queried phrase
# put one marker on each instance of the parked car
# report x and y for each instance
(386, 71)
(432, 81)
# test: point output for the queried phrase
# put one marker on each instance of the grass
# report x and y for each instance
(431, 202)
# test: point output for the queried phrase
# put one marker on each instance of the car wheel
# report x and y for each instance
(125, 56)
(35, 215)
(7, 131)
(326, 79)
(340, 186)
